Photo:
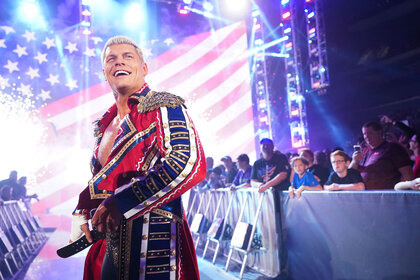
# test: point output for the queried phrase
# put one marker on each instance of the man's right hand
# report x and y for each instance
(357, 156)
(78, 227)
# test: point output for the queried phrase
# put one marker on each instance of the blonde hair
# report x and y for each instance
(118, 40)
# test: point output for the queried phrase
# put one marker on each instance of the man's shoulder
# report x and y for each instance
(156, 99)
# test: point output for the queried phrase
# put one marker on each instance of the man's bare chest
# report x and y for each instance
(108, 139)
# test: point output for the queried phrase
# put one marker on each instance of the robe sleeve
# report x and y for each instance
(181, 166)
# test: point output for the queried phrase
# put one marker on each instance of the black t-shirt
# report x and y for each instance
(353, 176)
(320, 171)
(230, 175)
(281, 164)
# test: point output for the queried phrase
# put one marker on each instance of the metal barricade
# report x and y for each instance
(227, 204)
(21, 238)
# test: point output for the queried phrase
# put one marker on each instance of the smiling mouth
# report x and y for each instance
(120, 73)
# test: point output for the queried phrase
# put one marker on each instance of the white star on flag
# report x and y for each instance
(4, 82)
(32, 73)
(11, 66)
(7, 29)
(96, 40)
(71, 47)
(169, 41)
(45, 94)
(153, 41)
(41, 57)
(25, 89)
(49, 42)
(147, 52)
(29, 36)
(20, 50)
(2, 44)
(71, 84)
(90, 52)
(53, 79)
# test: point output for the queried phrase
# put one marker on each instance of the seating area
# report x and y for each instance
(21, 239)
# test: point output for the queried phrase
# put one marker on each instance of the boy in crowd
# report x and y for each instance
(302, 179)
(343, 177)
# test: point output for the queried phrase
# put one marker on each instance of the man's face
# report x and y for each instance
(299, 167)
(372, 137)
(306, 155)
(339, 164)
(414, 143)
(267, 149)
(242, 165)
(123, 69)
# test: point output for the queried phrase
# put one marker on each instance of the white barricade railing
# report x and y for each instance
(21, 238)
(244, 205)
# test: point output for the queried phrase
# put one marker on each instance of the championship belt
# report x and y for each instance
(80, 244)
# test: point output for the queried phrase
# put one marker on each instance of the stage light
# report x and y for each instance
(312, 30)
(287, 30)
(86, 32)
(85, 23)
(235, 9)
(289, 45)
(86, 13)
(183, 11)
(30, 12)
(208, 6)
(284, 2)
(187, 2)
(286, 15)
(255, 13)
(134, 15)
(317, 84)
(259, 42)
(311, 14)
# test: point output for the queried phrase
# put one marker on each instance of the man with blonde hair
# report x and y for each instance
(147, 154)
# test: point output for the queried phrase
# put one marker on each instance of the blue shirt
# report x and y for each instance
(307, 180)
(242, 177)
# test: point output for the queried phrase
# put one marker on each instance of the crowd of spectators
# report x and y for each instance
(386, 157)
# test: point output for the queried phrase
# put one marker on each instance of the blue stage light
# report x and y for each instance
(208, 6)
(30, 12)
(134, 15)
(187, 2)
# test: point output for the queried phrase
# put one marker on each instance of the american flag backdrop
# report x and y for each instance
(52, 89)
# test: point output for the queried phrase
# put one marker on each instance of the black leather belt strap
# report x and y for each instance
(80, 244)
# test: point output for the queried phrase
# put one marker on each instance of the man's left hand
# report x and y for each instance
(108, 216)
(263, 188)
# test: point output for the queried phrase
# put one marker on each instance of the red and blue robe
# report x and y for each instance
(156, 157)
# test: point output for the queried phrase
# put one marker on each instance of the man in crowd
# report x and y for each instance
(243, 177)
(320, 172)
(382, 164)
(343, 177)
(147, 154)
(270, 171)
(231, 169)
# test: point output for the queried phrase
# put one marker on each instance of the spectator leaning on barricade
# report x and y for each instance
(413, 184)
(415, 147)
(270, 171)
(343, 177)
(302, 179)
(321, 173)
(231, 169)
(382, 164)
(243, 177)
(215, 180)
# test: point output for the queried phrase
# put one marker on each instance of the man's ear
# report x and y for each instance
(145, 68)
(348, 163)
(103, 72)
